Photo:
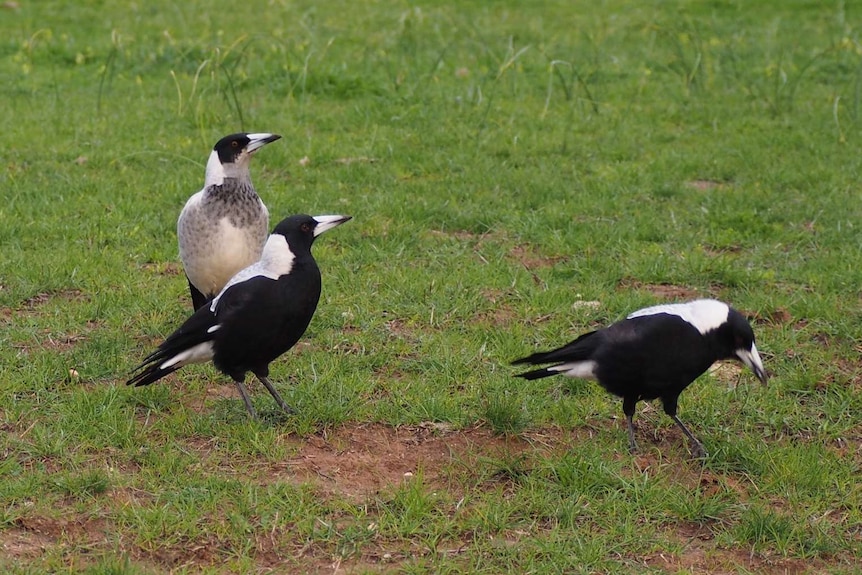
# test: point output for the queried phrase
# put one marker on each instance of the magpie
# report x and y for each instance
(223, 227)
(260, 313)
(656, 352)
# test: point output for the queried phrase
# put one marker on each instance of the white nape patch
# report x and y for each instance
(581, 369)
(277, 258)
(215, 171)
(214, 328)
(198, 354)
(275, 261)
(704, 314)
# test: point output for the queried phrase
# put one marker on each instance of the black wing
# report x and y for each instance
(263, 320)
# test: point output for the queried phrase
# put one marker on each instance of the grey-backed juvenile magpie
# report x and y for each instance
(655, 352)
(260, 314)
(223, 227)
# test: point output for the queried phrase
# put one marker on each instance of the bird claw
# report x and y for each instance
(698, 451)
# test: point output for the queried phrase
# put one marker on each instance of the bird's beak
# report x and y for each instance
(328, 222)
(751, 358)
(257, 141)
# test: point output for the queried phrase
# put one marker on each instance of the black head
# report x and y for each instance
(301, 230)
(737, 339)
(233, 147)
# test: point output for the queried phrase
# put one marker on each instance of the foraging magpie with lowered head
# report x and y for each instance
(656, 352)
(260, 314)
(223, 227)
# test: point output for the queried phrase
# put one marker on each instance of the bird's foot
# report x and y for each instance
(276, 396)
(698, 451)
(633, 446)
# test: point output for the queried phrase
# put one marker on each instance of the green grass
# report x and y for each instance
(507, 165)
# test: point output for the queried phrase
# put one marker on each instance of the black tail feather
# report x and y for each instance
(537, 373)
(150, 374)
(534, 359)
(196, 330)
(577, 350)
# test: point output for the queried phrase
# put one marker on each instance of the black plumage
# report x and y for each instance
(260, 314)
(655, 353)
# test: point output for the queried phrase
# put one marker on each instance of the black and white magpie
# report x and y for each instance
(260, 314)
(655, 352)
(223, 227)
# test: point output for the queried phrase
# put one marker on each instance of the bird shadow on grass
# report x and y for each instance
(232, 411)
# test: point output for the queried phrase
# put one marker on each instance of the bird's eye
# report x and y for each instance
(234, 144)
(305, 227)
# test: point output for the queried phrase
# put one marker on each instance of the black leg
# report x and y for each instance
(268, 384)
(629, 409)
(244, 393)
(670, 404)
(697, 448)
(198, 299)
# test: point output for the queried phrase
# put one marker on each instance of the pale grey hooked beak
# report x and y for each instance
(259, 140)
(325, 223)
(751, 358)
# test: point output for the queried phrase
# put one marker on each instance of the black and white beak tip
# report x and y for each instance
(326, 223)
(258, 140)
(751, 359)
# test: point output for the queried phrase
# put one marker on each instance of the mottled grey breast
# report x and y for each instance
(236, 201)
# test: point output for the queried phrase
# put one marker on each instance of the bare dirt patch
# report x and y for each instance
(778, 316)
(501, 314)
(700, 556)
(57, 342)
(34, 302)
(22, 544)
(163, 268)
(31, 536)
(528, 257)
(664, 291)
(362, 462)
(33, 305)
(359, 461)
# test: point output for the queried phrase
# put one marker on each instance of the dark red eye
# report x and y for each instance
(305, 227)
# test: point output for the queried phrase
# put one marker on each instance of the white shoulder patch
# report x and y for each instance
(704, 314)
(275, 261)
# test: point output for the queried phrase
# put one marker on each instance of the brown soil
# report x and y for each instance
(163, 268)
(669, 292)
(363, 462)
